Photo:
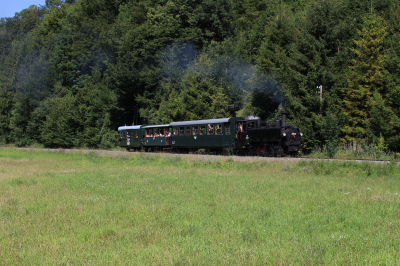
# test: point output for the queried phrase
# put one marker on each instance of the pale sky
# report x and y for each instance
(9, 7)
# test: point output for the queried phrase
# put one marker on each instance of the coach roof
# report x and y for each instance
(201, 122)
(129, 127)
(153, 126)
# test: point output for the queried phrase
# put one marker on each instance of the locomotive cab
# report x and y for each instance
(278, 138)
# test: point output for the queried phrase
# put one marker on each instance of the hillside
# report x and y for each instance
(72, 72)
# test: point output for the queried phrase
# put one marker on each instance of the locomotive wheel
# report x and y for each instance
(279, 152)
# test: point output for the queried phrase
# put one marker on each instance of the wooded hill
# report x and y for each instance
(71, 72)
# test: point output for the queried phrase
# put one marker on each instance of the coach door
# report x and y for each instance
(227, 131)
(239, 133)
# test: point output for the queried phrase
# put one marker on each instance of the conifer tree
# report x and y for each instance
(365, 77)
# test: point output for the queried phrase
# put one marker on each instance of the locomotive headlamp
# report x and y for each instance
(301, 134)
(284, 134)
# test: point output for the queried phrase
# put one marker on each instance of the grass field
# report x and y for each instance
(93, 209)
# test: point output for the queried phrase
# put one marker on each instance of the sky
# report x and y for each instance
(9, 7)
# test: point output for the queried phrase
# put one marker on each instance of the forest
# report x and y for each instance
(72, 71)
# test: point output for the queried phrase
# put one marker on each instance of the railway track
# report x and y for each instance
(121, 153)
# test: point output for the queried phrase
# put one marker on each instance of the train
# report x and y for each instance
(235, 135)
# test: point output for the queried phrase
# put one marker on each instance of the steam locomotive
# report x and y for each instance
(236, 135)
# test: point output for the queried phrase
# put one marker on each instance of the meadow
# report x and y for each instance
(61, 208)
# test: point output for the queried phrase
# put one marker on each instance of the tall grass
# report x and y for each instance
(141, 209)
(358, 150)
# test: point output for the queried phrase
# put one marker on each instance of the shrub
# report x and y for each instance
(330, 130)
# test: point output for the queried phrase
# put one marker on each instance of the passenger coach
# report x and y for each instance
(131, 137)
(156, 136)
(205, 134)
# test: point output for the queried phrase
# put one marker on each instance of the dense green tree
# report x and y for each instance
(21, 115)
(304, 51)
(195, 95)
(365, 78)
(197, 100)
(81, 119)
(6, 104)
(392, 79)
(59, 128)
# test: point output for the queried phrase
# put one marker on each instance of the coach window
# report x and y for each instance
(218, 129)
(181, 131)
(202, 130)
(124, 134)
(227, 129)
(137, 136)
(175, 131)
(210, 129)
(149, 132)
(188, 131)
(195, 130)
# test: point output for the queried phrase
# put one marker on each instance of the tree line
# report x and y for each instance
(71, 71)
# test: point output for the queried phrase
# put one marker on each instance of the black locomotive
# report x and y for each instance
(237, 135)
(277, 138)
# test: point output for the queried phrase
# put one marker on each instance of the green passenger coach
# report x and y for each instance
(131, 137)
(156, 136)
(205, 134)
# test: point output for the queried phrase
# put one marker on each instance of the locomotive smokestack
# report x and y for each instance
(284, 114)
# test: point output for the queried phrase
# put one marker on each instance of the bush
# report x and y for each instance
(109, 140)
